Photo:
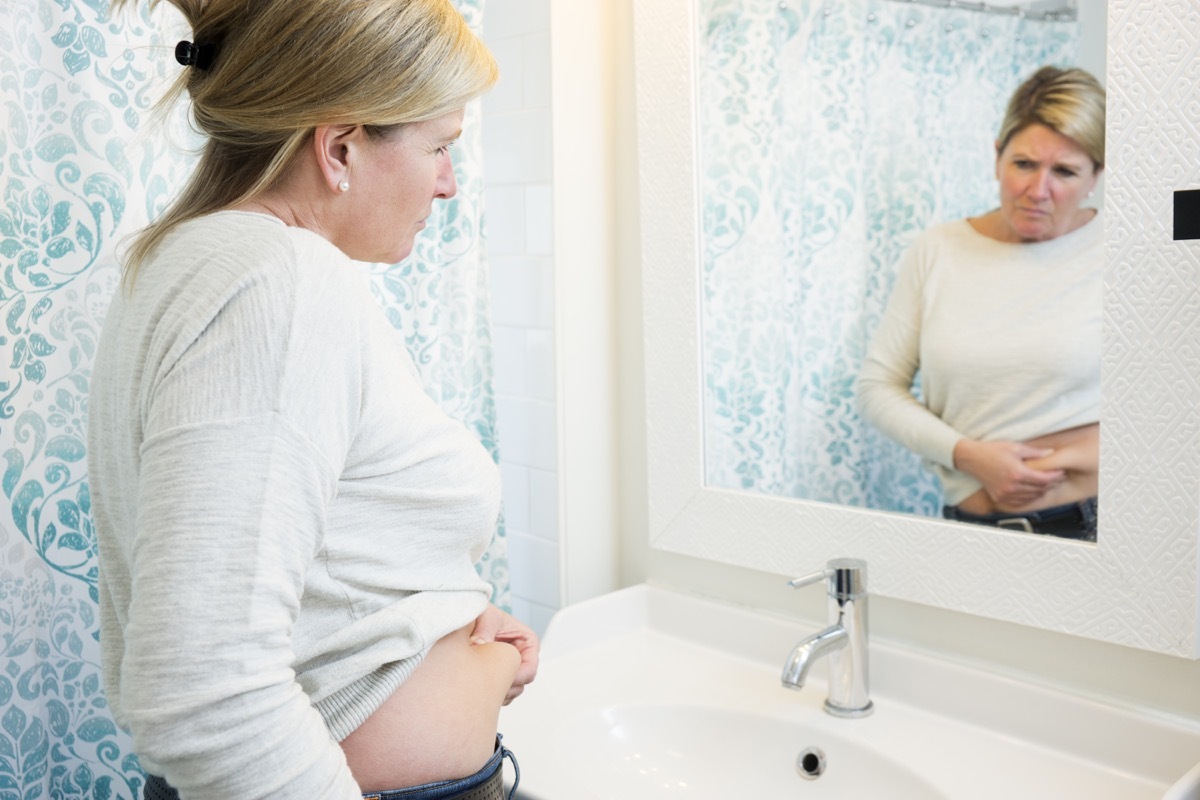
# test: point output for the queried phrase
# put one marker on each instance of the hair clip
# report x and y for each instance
(194, 55)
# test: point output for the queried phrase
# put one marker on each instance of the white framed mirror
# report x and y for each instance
(1137, 585)
(830, 137)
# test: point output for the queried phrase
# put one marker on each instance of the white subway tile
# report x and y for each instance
(515, 289)
(539, 219)
(535, 615)
(510, 357)
(519, 231)
(545, 317)
(512, 431)
(522, 292)
(536, 69)
(543, 443)
(533, 567)
(543, 503)
(504, 219)
(539, 617)
(514, 483)
(526, 432)
(509, 92)
(515, 17)
(522, 609)
(517, 146)
(539, 368)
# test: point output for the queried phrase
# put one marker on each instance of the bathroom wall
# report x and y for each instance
(520, 250)
(551, 162)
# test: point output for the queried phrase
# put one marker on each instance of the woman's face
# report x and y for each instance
(394, 182)
(1044, 177)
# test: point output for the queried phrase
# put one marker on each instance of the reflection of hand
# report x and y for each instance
(1002, 469)
(493, 625)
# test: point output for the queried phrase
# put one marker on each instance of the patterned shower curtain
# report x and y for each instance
(832, 132)
(80, 168)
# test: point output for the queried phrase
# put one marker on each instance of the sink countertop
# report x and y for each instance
(968, 732)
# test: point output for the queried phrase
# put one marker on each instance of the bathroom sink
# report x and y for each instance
(691, 751)
(648, 693)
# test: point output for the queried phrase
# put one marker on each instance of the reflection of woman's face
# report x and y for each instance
(1044, 176)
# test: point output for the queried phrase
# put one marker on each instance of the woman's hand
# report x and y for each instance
(1002, 469)
(493, 625)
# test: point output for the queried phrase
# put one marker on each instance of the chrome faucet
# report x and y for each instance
(844, 641)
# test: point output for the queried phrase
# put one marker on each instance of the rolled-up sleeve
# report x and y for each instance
(885, 382)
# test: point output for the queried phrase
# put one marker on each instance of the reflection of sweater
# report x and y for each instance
(1006, 336)
(286, 520)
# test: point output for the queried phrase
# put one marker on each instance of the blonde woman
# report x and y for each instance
(1001, 315)
(287, 524)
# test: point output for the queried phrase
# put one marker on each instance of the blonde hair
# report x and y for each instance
(280, 68)
(1067, 101)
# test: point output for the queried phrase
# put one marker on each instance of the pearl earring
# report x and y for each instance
(344, 186)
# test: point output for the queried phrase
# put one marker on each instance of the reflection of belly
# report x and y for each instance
(1076, 450)
(441, 723)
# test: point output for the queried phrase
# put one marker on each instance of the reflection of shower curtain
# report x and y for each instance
(832, 133)
(75, 87)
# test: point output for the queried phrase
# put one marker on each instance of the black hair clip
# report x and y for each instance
(199, 56)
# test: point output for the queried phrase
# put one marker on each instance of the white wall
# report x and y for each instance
(549, 162)
(585, 169)
(518, 165)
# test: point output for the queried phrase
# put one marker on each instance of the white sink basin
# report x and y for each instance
(647, 693)
(694, 751)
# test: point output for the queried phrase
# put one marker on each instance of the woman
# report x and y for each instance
(287, 524)
(1001, 314)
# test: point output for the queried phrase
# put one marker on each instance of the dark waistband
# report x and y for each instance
(1070, 520)
(486, 784)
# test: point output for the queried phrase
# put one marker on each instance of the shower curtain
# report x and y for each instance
(80, 167)
(831, 133)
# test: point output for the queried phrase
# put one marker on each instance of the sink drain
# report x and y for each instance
(810, 763)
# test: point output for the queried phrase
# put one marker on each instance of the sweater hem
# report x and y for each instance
(348, 708)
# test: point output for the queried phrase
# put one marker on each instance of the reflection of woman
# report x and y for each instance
(287, 524)
(1001, 314)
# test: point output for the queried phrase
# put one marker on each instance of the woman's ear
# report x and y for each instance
(335, 147)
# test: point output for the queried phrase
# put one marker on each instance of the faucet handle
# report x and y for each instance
(849, 577)
(808, 580)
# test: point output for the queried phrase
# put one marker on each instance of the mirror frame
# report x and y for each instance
(1138, 585)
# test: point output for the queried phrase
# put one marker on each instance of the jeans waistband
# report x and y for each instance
(486, 784)
(1070, 520)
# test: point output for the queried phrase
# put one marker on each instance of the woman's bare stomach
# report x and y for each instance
(441, 723)
(1076, 451)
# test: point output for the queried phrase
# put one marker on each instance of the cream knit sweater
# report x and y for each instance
(1006, 337)
(286, 521)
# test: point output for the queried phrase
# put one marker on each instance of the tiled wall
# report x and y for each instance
(519, 225)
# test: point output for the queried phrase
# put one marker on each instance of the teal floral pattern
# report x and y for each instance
(831, 133)
(81, 168)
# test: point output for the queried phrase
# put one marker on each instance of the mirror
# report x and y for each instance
(1137, 586)
(829, 136)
